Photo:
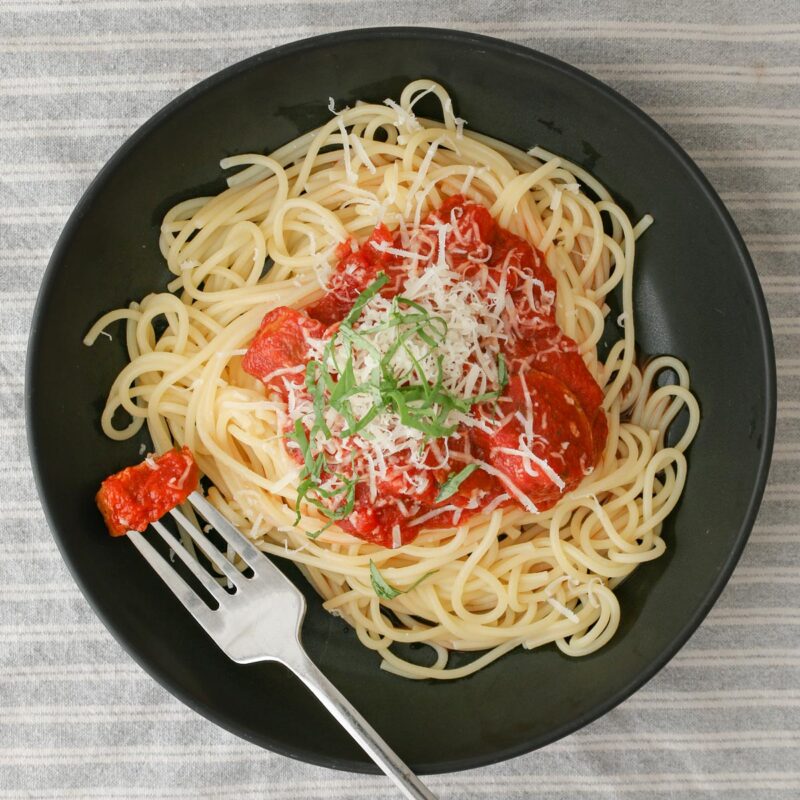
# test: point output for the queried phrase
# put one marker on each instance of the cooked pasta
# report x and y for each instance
(494, 580)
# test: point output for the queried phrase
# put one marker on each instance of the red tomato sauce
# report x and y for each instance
(549, 383)
(139, 495)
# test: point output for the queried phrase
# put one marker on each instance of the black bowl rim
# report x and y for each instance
(468, 39)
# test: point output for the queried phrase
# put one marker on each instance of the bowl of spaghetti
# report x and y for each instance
(456, 335)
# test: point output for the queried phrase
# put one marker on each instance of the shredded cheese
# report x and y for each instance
(563, 610)
(515, 491)
(405, 119)
(496, 503)
(422, 171)
(397, 540)
(362, 154)
(473, 330)
(348, 167)
(476, 316)
(184, 475)
(431, 514)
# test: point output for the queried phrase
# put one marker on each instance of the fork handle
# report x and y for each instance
(380, 752)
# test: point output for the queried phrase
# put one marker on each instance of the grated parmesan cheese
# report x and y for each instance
(476, 314)
(470, 367)
(467, 180)
(397, 540)
(362, 154)
(563, 610)
(348, 167)
(496, 503)
(515, 491)
(431, 514)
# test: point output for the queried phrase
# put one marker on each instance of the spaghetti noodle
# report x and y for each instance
(510, 574)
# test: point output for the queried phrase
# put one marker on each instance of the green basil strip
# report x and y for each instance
(450, 486)
(385, 590)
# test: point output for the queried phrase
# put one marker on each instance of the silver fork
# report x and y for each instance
(260, 621)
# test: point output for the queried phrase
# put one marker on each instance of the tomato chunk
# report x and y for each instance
(375, 522)
(562, 441)
(551, 351)
(281, 343)
(358, 266)
(136, 496)
(475, 224)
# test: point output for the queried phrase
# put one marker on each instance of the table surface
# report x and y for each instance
(78, 719)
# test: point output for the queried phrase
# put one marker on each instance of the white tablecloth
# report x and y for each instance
(78, 719)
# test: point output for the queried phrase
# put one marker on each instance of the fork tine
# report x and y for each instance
(213, 588)
(194, 605)
(210, 550)
(241, 545)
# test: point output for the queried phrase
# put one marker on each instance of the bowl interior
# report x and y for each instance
(696, 297)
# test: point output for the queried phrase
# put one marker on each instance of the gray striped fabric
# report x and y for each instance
(77, 718)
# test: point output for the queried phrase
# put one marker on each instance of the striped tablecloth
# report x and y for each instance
(77, 718)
